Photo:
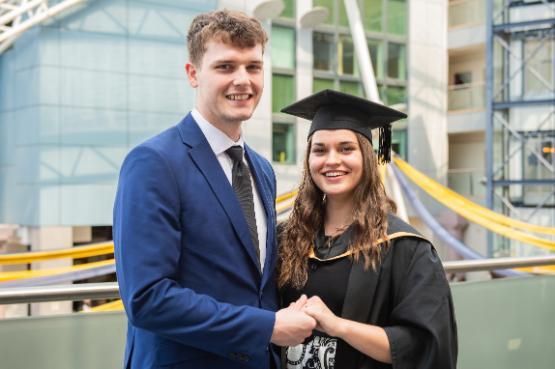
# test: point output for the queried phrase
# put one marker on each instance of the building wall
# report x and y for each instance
(77, 94)
(427, 125)
(472, 61)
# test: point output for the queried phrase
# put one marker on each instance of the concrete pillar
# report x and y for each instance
(428, 81)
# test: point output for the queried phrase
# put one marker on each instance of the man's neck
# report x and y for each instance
(230, 129)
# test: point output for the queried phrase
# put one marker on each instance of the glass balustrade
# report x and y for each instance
(467, 13)
(503, 324)
(468, 96)
(468, 183)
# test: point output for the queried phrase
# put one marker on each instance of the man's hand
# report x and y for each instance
(292, 325)
(326, 320)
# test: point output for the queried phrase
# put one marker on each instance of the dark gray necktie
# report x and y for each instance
(241, 180)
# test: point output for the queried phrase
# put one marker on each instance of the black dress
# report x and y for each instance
(408, 295)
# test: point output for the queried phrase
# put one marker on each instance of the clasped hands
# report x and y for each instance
(296, 322)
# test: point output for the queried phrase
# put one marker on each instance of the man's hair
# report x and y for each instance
(230, 27)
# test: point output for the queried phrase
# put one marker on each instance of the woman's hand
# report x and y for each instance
(326, 320)
(369, 339)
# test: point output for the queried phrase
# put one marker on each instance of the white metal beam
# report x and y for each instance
(17, 16)
(361, 50)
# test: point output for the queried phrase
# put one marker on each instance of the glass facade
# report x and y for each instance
(283, 44)
(283, 143)
(283, 47)
(334, 54)
(539, 70)
(372, 15)
(396, 17)
(77, 94)
(283, 91)
(538, 165)
(323, 51)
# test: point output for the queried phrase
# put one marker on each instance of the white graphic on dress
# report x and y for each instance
(318, 353)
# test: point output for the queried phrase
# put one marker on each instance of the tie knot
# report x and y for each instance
(235, 153)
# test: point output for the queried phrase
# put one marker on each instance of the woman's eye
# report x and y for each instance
(348, 149)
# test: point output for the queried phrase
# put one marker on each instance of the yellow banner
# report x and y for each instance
(475, 213)
(74, 252)
(22, 274)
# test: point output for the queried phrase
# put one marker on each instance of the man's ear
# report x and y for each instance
(191, 71)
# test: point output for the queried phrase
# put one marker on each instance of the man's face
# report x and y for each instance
(229, 83)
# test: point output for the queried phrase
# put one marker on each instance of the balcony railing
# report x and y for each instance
(518, 314)
(467, 13)
(468, 96)
(467, 182)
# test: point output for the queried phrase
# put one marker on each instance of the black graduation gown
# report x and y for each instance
(409, 296)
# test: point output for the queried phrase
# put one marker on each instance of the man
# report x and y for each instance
(195, 251)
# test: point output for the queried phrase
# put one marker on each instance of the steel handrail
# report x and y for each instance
(74, 292)
(497, 263)
(110, 290)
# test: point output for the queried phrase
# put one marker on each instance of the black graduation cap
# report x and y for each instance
(329, 109)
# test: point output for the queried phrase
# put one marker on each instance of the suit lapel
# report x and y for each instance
(202, 155)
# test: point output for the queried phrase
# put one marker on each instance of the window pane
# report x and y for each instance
(283, 143)
(383, 93)
(396, 61)
(538, 75)
(375, 47)
(372, 17)
(395, 95)
(397, 17)
(343, 19)
(283, 91)
(346, 58)
(535, 166)
(319, 84)
(283, 47)
(399, 142)
(322, 45)
(353, 88)
(326, 4)
(289, 10)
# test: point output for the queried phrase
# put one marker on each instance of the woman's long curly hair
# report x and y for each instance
(369, 223)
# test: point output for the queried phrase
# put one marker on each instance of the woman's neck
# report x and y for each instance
(339, 215)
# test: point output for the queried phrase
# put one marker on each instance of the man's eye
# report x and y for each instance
(223, 67)
(255, 67)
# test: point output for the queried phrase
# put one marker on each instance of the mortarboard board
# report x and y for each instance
(329, 109)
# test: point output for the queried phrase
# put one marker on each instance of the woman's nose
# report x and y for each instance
(332, 158)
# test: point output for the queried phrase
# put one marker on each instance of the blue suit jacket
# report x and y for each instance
(187, 270)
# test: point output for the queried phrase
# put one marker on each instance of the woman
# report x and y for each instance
(376, 288)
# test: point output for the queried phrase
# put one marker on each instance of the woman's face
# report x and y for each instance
(335, 162)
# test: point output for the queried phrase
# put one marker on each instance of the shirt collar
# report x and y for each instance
(218, 141)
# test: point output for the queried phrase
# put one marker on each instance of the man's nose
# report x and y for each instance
(241, 77)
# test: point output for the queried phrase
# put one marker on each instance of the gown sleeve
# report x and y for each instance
(423, 331)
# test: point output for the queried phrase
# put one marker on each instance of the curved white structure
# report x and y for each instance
(17, 16)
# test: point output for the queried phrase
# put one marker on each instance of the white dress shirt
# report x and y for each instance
(220, 142)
